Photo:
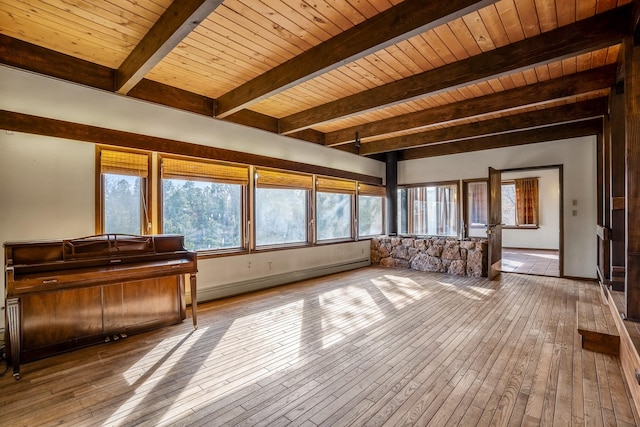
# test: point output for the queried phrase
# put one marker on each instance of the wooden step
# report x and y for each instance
(597, 327)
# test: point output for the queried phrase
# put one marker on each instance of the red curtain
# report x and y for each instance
(527, 201)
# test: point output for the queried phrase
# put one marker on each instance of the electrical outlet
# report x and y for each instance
(270, 268)
(249, 264)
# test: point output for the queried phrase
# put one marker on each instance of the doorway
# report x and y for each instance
(534, 247)
(529, 245)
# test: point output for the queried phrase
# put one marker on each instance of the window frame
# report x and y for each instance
(152, 212)
(466, 212)
(244, 191)
(521, 226)
(309, 206)
(146, 213)
(332, 185)
(456, 201)
(368, 190)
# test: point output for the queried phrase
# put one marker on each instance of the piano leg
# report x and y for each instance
(194, 300)
(13, 320)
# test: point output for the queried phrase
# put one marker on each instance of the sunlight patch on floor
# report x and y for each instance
(538, 255)
(227, 368)
(400, 291)
(168, 349)
(263, 336)
(150, 369)
(345, 311)
(511, 263)
(483, 291)
(463, 290)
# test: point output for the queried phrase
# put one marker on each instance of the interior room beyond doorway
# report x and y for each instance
(535, 249)
(540, 262)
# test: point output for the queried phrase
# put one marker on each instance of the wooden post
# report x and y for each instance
(603, 237)
(632, 149)
(617, 214)
(391, 184)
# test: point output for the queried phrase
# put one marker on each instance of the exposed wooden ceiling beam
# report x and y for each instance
(597, 32)
(511, 139)
(161, 93)
(180, 18)
(403, 21)
(563, 114)
(20, 122)
(555, 89)
(28, 56)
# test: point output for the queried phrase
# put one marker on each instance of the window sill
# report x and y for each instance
(215, 253)
(282, 246)
(520, 227)
(330, 241)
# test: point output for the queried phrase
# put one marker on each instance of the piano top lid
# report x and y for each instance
(107, 244)
(98, 246)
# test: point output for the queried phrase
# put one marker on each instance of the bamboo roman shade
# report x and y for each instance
(371, 190)
(124, 163)
(333, 185)
(217, 172)
(280, 179)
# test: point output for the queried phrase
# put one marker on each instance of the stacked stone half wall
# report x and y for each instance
(435, 254)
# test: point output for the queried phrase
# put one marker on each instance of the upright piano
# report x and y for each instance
(65, 294)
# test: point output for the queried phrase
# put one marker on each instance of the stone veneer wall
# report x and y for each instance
(435, 254)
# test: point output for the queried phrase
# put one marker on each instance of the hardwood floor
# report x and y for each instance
(369, 347)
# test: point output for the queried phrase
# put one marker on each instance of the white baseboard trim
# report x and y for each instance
(244, 286)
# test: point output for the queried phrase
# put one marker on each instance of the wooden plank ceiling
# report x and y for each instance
(420, 78)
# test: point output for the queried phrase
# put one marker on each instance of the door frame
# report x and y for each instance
(559, 167)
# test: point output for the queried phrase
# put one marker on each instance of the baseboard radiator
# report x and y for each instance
(214, 292)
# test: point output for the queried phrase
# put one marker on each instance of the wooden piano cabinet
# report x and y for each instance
(161, 299)
(73, 293)
(58, 321)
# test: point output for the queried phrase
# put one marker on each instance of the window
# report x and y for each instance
(123, 192)
(217, 206)
(477, 204)
(334, 208)
(281, 214)
(429, 210)
(509, 204)
(370, 210)
(520, 202)
(204, 202)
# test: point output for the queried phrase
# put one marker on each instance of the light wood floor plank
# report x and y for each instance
(372, 346)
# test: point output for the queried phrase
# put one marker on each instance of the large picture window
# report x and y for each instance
(124, 198)
(334, 208)
(430, 210)
(224, 207)
(204, 202)
(281, 207)
(370, 210)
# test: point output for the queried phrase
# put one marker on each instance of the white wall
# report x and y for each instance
(578, 157)
(47, 184)
(34, 94)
